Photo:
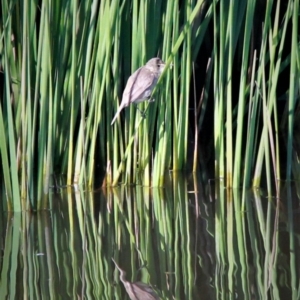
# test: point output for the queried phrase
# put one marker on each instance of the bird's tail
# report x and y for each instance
(116, 115)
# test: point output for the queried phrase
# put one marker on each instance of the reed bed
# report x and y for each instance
(64, 66)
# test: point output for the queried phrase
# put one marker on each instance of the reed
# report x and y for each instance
(65, 65)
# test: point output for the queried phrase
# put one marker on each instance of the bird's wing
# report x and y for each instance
(135, 91)
(140, 81)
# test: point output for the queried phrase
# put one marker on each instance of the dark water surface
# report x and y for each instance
(186, 241)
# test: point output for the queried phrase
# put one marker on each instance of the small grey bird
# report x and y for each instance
(141, 83)
(136, 290)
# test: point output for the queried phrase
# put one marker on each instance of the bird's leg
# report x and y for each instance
(143, 114)
(151, 100)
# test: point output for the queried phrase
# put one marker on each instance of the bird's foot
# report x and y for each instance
(143, 114)
(151, 100)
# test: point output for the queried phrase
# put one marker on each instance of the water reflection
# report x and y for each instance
(136, 290)
(197, 242)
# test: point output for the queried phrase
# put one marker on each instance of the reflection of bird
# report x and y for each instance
(136, 290)
(141, 83)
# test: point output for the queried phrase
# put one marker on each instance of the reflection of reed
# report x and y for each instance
(136, 290)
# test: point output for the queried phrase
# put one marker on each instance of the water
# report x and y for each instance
(186, 241)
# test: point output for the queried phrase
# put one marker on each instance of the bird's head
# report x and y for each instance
(155, 65)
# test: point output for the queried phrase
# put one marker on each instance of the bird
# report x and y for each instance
(137, 290)
(140, 84)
